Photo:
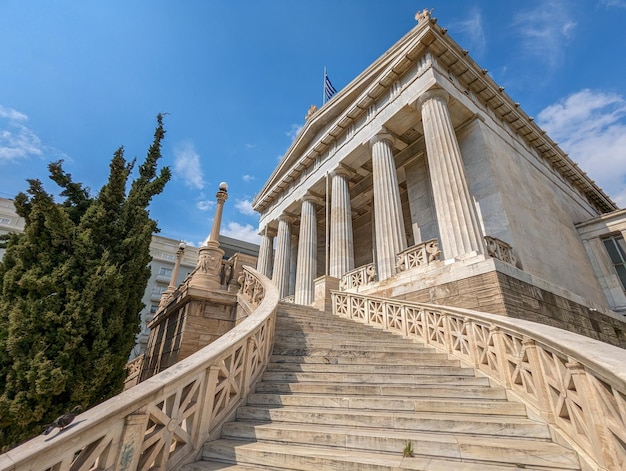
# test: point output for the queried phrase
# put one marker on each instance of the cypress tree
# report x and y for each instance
(72, 285)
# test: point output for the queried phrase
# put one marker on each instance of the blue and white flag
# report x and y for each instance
(329, 90)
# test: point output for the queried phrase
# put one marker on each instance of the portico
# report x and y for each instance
(418, 174)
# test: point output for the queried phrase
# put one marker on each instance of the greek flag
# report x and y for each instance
(329, 90)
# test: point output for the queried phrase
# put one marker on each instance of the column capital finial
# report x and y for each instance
(430, 94)
(312, 197)
(382, 135)
(268, 231)
(287, 217)
(342, 170)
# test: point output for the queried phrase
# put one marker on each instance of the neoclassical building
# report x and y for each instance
(423, 180)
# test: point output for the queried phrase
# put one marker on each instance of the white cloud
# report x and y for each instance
(473, 27)
(237, 231)
(545, 31)
(205, 205)
(248, 178)
(11, 114)
(591, 126)
(614, 3)
(245, 207)
(187, 165)
(250, 146)
(17, 141)
(294, 131)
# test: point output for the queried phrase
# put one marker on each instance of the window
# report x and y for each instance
(165, 271)
(158, 289)
(616, 247)
(5, 221)
(168, 256)
(153, 308)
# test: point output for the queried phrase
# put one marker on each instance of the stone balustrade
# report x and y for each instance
(418, 255)
(499, 249)
(163, 422)
(133, 369)
(577, 384)
(361, 276)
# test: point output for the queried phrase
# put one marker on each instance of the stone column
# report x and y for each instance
(456, 214)
(390, 234)
(282, 256)
(207, 272)
(266, 252)
(341, 236)
(171, 288)
(307, 252)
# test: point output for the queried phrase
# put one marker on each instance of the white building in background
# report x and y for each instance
(163, 251)
(9, 220)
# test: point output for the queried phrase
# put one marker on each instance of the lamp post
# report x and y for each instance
(165, 297)
(207, 272)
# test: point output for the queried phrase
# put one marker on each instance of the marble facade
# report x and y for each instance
(424, 163)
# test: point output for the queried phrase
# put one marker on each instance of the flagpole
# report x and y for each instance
(324, 88)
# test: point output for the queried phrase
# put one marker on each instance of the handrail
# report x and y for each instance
(164, 421)
(577, 384)
(360, 276)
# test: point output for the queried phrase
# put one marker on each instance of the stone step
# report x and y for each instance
(459, 405)
(343, 346)
(354, 351)
(477, 389)
(522, 452)
(417, 375)
(509, 426)
(299, 458)
(351, 358)
(362, 367)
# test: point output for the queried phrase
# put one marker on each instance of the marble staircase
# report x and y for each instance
(339, 395)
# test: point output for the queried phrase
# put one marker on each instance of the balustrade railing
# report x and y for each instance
(577, 384)
(133, 368)
(418, 255)
(499, 249)
(162, 422)
(361, 276)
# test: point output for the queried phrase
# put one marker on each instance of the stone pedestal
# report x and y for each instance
(323, 286)
(207, 272)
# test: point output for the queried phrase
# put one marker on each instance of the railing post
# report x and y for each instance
(248, 365)
(500, 350)
(602, 448)
(129, 450)
(208, 402)
(541, 387)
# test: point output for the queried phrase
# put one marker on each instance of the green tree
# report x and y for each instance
(72, 285)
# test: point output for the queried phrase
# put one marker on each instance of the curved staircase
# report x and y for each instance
(340, 395)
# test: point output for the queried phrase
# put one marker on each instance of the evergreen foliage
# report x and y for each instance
(72, 285)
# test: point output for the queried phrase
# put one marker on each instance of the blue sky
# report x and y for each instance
(236, 77)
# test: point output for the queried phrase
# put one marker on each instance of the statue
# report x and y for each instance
(311, 112)
(423, 15)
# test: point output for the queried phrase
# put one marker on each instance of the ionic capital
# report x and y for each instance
(436, 93)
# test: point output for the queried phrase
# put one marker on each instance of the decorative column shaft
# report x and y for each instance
(456, 214)
(307, 252)
(282, 256)
(266, 252)
(390, 234)
(165, 297)
(207, 272)
(341, 236)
